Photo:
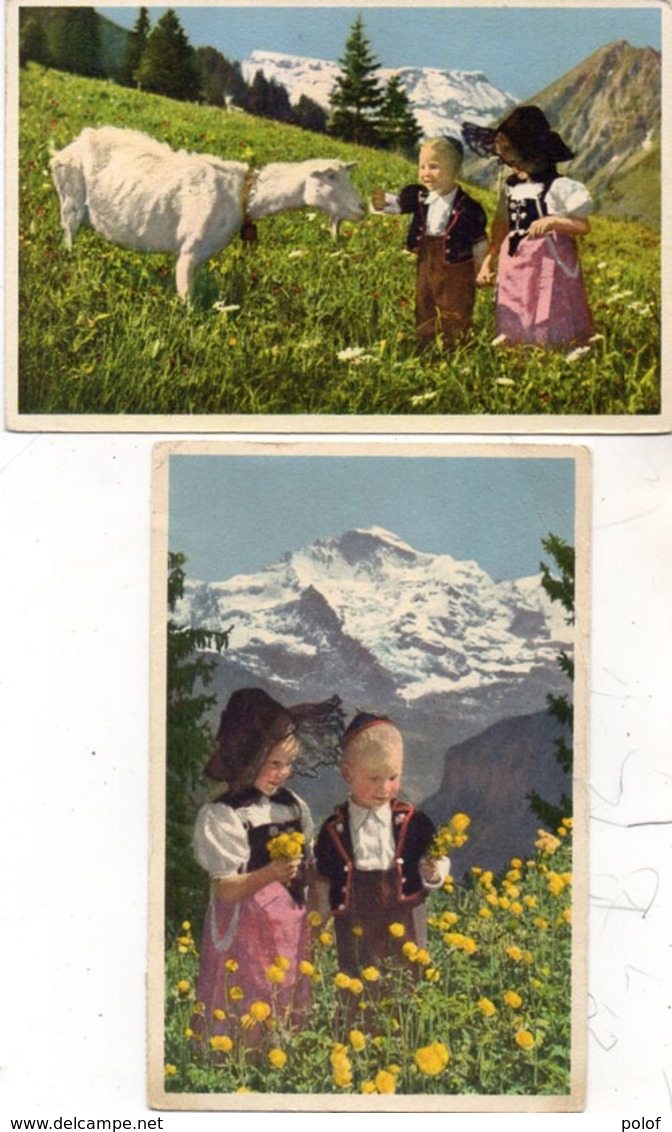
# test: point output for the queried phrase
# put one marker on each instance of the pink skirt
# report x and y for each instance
(249, 936)
(541, 298)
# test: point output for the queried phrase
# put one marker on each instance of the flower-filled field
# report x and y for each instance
(484, 1008)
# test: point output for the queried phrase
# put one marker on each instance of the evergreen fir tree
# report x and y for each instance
(76, 42)
(357, 95)
(309, 115)
(558, 582)
(33, 41)
(189, 743)
(135, 46)
(168, 63)
(397, 127)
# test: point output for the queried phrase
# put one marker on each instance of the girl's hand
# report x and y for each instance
(486, 276)
(542, 226)
(284, 869)
(378, 199)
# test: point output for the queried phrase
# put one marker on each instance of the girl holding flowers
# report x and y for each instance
(254, 841)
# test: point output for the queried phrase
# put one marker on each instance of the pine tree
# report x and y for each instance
(558, 582)
(357, 95)
(397, 127)
(168, 63)
(76, 43)
(135, 46)
(309, 115)
(189, 743)
(33, 41)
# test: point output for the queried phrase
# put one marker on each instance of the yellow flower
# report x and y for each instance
(188, 1033)
(368, 1087)
(371, 974)
(409, 949)
(287, 845)
(184, 986)
(236, 994)
(186, 926)
(540, 923)
(221, 1043)
(198, 1008)
(432, 1059)
(528, 957)
(485, 913)
(385, 1082)
(486, 1007)
(357, 1039)
(568, 823)
(326, 938)
(525, 1039)
(396, 930)
(342, 1076)
(243, 1089)
(448, 919)
(460, 822)
(306, 968)
(513, 1000)
(231, 965)
(170, 1070)
(432, 975)
(281, 962)
(504, 902)
(314, 919)
(355, 986)
(260, 1010)
(531, 901)
(218, 1014)
(492, 898)
(342, 980)
(516, 863)
(277, 1058)
(275, 974)
(546, 842)
(358, 931)
(567, 915)
(517, 908)
(422, 957)
(514, 953)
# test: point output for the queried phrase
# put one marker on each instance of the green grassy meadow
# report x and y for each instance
(483, 1009)
(314, 326)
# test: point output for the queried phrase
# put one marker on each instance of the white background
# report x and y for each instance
(75, 515)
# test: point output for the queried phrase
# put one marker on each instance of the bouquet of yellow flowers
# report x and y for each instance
(451, 836)
(288, 845)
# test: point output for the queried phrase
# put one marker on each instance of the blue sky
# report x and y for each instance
(237, 514)
(521, 50)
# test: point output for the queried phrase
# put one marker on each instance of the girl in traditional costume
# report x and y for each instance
(256, 930)
(540, 295)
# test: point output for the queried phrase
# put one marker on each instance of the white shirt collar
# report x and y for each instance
(447, 198)
(359, 814)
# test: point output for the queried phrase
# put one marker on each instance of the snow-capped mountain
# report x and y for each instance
(441, 100)
(424, 624)
(451, 655)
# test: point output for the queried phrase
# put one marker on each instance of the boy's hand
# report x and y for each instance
(430, 871)
(285, 869)
(378, 199)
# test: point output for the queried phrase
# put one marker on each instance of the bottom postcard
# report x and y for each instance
(368, 867)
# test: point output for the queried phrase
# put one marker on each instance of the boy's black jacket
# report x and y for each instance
(413, 834)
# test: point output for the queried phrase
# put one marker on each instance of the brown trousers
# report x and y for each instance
(374, 906)
(444, 295)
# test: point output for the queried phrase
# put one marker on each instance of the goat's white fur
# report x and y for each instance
(141, 194)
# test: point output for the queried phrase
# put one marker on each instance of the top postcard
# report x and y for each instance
(436, 218)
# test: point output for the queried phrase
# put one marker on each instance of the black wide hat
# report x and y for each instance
(528, 130)
(252, 723)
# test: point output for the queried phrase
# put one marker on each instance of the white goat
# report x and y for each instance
(141, 194)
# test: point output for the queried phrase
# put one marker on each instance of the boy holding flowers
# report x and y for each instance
(373, 853)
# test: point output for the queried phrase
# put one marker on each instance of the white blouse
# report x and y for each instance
(565, 197)
(221, 846)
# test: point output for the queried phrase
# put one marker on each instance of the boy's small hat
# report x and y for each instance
(252, 723)
(361, 722)
(527, 128)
